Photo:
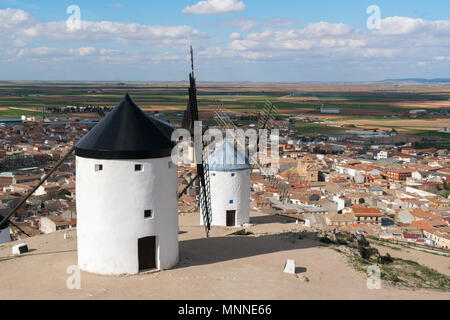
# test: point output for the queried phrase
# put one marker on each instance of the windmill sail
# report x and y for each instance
(189, 118)
(268, 114)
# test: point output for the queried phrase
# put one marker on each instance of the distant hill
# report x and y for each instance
(420, 80)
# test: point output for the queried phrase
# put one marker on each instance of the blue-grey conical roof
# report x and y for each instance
(227, 158)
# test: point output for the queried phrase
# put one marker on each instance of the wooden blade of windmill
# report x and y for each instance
(187, 187)
(191, 117)
(268, 115)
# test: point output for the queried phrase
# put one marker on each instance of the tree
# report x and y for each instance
(64, 192)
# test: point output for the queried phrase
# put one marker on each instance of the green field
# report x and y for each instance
(356, 101)
(15, 113)
(34, 94)
(313, 129)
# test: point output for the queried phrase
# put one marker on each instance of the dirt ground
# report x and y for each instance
(220, 267)
(434, 261)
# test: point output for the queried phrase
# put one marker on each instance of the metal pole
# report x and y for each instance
(15, 225)
(185, 188)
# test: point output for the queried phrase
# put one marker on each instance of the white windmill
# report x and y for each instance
(127, 211)
(229, 172)
(4, 231)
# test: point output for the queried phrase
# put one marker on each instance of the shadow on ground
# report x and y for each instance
(33, 254)
(300, 270)
(218, 249)
(271, 218)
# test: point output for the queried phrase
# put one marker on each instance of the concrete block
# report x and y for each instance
(289, 266)
(20, 248)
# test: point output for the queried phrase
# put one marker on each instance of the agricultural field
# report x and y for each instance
(378, 106)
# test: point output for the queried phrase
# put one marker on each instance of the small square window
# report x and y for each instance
(232, 174)
(148, 214)
(138, 167)
(231, 201)
(98, 167)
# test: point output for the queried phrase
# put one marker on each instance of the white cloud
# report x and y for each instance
(216, 52)
(408, 26)
(400, 25)
(83, 51)
(380, 52)
(20, 28)
(314, 36)
(10, 19)
(215, 6)
(108, 52)
(235, 36)
(255, 55)
(325, 28)
(441, 58)
(402, 41)
(247, 24)
(242, 22)
(40, 51)
(413, 40)
(259, 36)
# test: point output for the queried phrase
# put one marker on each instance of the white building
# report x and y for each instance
(229, 172)
(418, 111)
(126, 194)
(330, 110)
(4, 231)
(382, 155)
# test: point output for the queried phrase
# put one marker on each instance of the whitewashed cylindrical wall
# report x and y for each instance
(4, 234)
(225, 187)
(110, 213)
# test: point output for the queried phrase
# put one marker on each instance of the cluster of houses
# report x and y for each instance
(388, 191)
(27, 153)
(403, 197)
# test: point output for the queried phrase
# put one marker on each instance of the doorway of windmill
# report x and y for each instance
(147, 253)
(231, 218)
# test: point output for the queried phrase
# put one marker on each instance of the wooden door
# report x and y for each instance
(231, 218)
(147, 253)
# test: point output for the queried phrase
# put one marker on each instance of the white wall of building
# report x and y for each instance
(40, 191)
(382, 155)
(340, 202)
(47, 225)
(419, 192)
(225, 187)
(110, 213)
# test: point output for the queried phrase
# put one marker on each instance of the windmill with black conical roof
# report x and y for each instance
(127, 208)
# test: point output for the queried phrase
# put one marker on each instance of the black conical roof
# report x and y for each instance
(126, 132)
(6, 224)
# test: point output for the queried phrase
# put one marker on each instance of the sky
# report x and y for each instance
(233, 40)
